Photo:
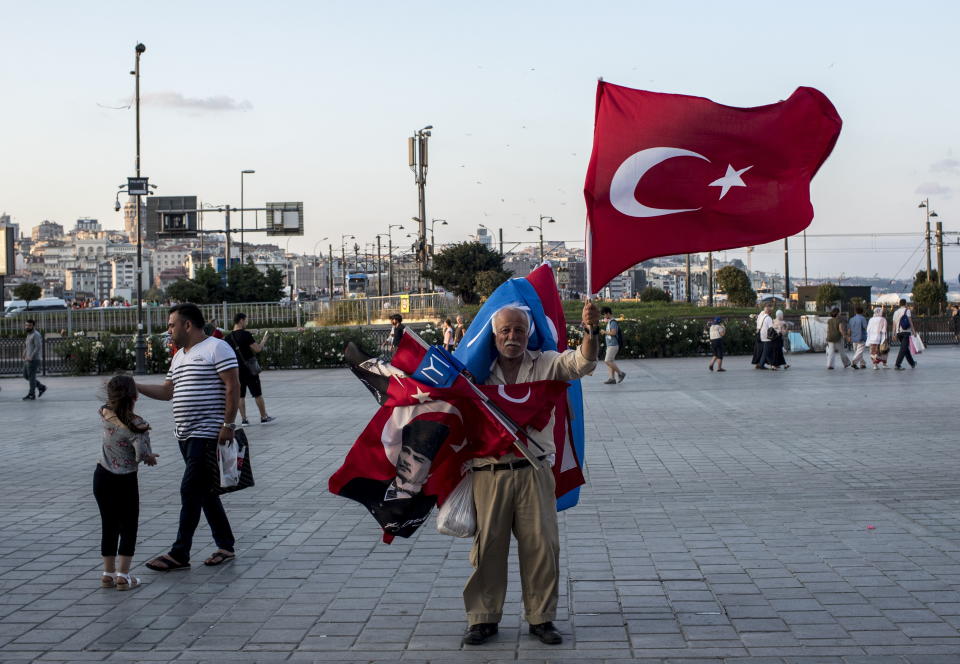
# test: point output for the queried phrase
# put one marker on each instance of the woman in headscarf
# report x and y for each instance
(782, 328)
(877, 339)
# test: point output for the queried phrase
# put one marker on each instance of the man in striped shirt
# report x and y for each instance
(203, 383)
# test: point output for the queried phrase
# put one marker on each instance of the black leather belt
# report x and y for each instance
(513, 465)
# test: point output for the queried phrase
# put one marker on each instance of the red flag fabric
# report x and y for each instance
(673, 174)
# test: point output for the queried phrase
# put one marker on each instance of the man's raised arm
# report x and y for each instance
(162, 392)
(590, 346)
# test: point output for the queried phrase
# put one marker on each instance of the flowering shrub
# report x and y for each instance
(313, 348)
(84, 354)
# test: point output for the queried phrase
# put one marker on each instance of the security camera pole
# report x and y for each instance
(141, 346)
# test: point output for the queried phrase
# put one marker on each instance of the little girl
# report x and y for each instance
(126, 442)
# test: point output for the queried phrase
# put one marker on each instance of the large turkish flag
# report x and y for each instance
(672, 174)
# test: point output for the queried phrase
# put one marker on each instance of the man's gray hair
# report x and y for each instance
(513, 306)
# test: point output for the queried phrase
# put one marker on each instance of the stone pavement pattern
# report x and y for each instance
(726, 519)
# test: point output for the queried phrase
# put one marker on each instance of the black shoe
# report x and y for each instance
(41, 389)
(479, 633)
(268, 418)
(547, 633)
(29, 397)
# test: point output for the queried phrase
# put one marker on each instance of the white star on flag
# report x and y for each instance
(421, 396)
(731, 179)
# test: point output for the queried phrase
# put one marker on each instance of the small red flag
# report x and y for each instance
(672, 174)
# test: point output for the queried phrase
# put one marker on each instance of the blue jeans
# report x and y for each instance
(196, 496)
(30, 368)
(904, 338)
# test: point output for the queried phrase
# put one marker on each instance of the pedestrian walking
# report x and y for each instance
(878, 339)
(396, 332)
(517, 496)
(903, 328)
(203, 382)
(458, 331)
(955, 324)
(764, 327)
(247, 349)
(717, 331)
(125, 442)
(448, 334)
(836, 331)
(612, 338)
(857, 336)
(781, 329)
(32, 349)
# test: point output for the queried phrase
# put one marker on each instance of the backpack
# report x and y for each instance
(619, 336)
(905, 321)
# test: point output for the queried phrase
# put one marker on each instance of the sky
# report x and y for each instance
(319, 98)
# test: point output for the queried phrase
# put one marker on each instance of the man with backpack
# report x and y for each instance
(903, 327)
(614, 340)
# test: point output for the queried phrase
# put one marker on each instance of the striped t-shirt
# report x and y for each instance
(199, 396)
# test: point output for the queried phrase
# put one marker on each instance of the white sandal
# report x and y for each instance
(108, 580)
(127, 582)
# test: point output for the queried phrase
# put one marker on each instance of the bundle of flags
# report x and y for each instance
(434, 421)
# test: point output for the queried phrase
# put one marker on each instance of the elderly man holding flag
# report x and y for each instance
(513, 494)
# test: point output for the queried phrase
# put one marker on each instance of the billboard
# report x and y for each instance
(8, 260)
(163, 222)
(285, 218)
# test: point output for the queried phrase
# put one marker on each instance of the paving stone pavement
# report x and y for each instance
(798, 517)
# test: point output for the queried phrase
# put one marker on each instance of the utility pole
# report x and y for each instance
(687, 289)
(805, 282)
(786, 273)
(925, 204)
(330, 270)
(710, 278)
(500, 234)
(379, 270)
(417, 156)
(940, 251)
(226, 262)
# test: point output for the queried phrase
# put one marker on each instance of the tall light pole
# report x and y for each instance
(316, 264)
(443, 222)
(417, 154)
(140, 345)
(925, 204)
(380, 265)
(539, 227)
(390, 254)
(343, 261)
(242, 173)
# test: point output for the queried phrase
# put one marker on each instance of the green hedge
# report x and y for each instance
(674, 337)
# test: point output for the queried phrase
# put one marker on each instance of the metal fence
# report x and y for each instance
(123, 320)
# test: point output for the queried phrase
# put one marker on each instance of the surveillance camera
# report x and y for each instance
(117, 206)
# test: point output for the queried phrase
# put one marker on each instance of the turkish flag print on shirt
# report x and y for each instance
(672, 174)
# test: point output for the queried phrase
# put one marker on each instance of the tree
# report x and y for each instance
(210, 281)
(736, 284)
(27, 292)
(654, 294)
(457, 267)
(187, 290)
(488, 281)
(827, 295)
(153, 295)
(929, 296)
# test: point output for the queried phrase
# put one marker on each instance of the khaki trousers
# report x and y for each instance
(523, 502)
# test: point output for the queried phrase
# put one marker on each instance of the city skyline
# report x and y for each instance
(319, 101)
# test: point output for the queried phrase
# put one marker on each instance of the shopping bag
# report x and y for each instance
(227, 464)
(458, 516)
(916, 344)
(244, 464)
(797, 344)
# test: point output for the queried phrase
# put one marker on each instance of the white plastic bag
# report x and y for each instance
(458, 516)
(227, 462)
(916, 344)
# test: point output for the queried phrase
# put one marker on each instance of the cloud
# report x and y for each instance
(946, 166)
(934, 189)
(212, 104)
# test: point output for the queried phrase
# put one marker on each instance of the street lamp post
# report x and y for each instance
(316, 265)
(343, 261)
(443, 222)
(417, 156)
(925, 204)
(242, 173)
(140, 345)
(539, 227)
(380, 265)
(390, 254)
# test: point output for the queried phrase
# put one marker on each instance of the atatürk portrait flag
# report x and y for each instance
(673, 174)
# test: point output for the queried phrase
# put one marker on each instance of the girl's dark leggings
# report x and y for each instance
(118, 498)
